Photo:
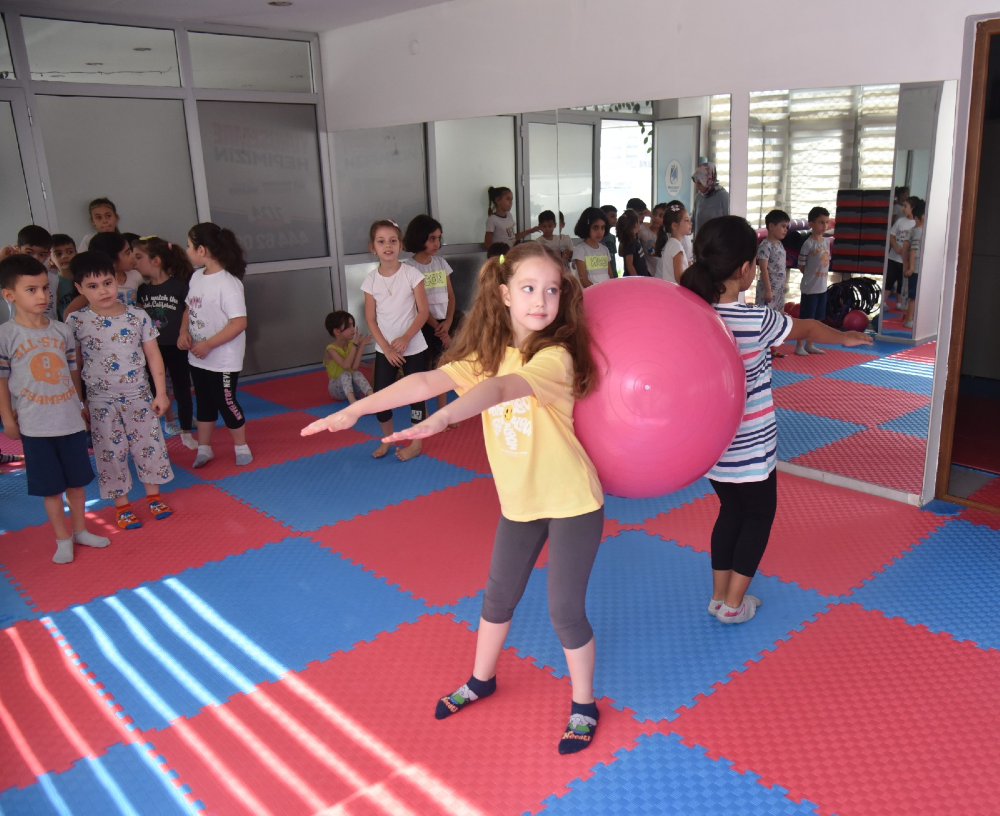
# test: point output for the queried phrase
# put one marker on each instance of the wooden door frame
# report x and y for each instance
(974, 147)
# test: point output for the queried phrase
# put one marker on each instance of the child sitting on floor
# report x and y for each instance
(343, 356)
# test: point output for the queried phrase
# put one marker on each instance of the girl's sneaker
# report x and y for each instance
(126, 519)
(714, 606)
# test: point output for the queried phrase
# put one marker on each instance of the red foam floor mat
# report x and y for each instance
(850, 679)
(49, 719)
(924, 353)
(298, 391)
(860, 403)
(436, 546)
(977, 434)
(371, 732)
(462, 446)
(817, 364)
(875, 455)
(988, 494)
(207, 525)
(272, 439)
(860, 534)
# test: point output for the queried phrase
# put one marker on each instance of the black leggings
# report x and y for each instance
(893, 276)
(216, 393)
(176, 362)
(573, 544)
(744, 523)
(385, 375)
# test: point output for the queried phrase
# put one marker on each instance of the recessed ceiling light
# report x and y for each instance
(142, 48)
(93, 63)
(281, 3)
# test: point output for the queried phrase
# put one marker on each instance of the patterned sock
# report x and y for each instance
(581, 728)
(157, 507)
(204, 456)
(126, 518)
(90, 540)
(468, 693)
(713, 607)
(741, 614)
(243, 455)
(64, 551)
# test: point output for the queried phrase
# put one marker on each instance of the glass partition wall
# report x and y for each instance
(178, 126)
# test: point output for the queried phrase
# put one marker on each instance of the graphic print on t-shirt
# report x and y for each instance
(47, 368)
(512, 421)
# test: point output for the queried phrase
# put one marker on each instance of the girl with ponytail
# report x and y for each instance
(521, 359)
(744, 478)
(213, 332)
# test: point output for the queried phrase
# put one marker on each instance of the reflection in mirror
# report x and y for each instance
(857, 412)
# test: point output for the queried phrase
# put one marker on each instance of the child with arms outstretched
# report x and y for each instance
(523, 375)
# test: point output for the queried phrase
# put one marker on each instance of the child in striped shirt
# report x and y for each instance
(744, 478)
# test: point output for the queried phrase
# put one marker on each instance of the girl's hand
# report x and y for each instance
(443, 328)
(184, 341)
(435, 423)
(399, 345)
(362, 340)
(394, 358)
(855, 339)
(201, 350)
(339, 421)
(445, 341)
(161, 402)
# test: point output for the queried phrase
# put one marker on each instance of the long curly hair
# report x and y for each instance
(487, 331)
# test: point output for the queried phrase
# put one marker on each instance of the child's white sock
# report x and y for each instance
(88, 539)
(243, 455)
(741, 614)
(188, 440)
(204, 456)
(64, 551)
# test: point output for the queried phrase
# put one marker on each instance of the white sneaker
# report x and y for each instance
(714, 606)
(746, 610)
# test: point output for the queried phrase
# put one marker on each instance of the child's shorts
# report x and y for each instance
(55, 463)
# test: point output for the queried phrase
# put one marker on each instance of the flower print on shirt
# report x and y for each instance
(512, 421)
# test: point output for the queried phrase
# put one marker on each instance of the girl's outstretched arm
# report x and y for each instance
(486, 394)
(816, 332)
(415, 388)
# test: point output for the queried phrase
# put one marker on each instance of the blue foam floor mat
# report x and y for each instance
(915, 423)
(782, 378)
(942, 583)
(636, 511)
(211, 624)
(657, 645)
(799, 433)
(314, 491)
(661, 775)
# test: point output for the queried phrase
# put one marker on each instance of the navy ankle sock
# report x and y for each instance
(469, 693)
(581, 728)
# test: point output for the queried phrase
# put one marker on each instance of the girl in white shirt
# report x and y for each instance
(213, 332)
(670, 243)
(395, 310)
(500, 227)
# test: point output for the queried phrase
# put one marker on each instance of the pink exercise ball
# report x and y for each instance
(855, 320)
(672, 388)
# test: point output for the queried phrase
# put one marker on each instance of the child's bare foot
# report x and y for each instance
(351, 399)
(381, 450)
(407, 453)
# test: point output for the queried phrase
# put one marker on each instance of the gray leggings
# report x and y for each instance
(573, 544)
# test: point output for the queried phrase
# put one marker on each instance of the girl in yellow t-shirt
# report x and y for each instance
(522, 364)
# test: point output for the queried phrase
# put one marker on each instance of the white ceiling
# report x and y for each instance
(302, 15)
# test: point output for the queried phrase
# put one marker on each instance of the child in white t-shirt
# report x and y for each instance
(213, 331)
(670, 243)
(423, 239)
(103, 218)
(561, 244)
(591, 259)
(395, 310)
(500, 227)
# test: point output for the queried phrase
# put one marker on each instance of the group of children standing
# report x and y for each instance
(90, 345)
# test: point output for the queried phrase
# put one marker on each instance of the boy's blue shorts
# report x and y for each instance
(55, 463)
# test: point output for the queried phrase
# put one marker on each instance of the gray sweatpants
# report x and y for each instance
(573, 544)
(342, 385)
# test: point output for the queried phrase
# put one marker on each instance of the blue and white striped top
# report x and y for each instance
(754, 451)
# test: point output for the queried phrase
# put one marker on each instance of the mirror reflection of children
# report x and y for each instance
(499, 222)
(671, 248)
(423, 239)
(771, 262)
(814, 261)
(911, 270)
(745, 478)
(103, 218)
(395, 311)
(561, 244)
(523, 378)
(38, 357)
(115, 343)
(590, 257)
(342, 358)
